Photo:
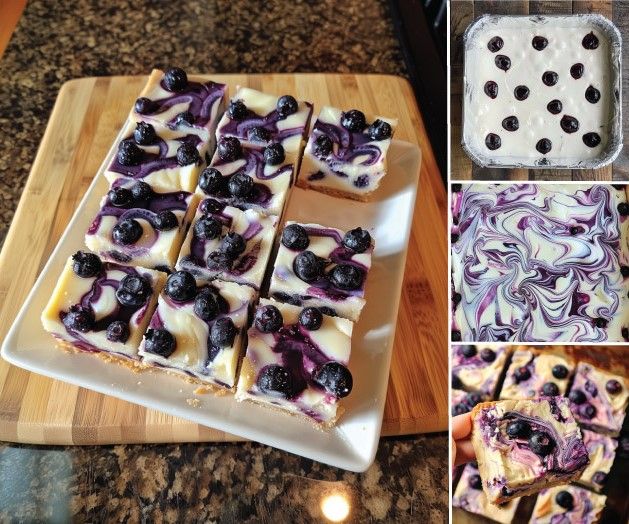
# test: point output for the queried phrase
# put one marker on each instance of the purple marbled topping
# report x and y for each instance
(254, 165)
(349, 146)
(199, 99)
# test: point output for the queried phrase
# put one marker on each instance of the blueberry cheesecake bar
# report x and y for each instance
(99, 306)
(540, 263)
(227, 243)
(138, 226)
(346, 153)
(197, 329)
(260, 119)
(536, 373)
(523, 446)
(599, 399)
(469, 495)
(167, 160)
(478, 368)
(190, 104)
(602, 451)
(567, 505)
(322, 267)
(296, 361)
(249, 177)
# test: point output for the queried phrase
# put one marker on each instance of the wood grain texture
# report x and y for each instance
(10, 13)
(462, 13)
(87, 117)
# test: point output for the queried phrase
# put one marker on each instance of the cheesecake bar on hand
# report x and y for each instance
(567, 505)
(227, 243)
(322, 267)
(346, 153)
(523, 446)
(296, 361)
(98, 306)
(138, 226)
(198, 328)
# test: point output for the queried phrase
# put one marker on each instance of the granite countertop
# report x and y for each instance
(195, 482)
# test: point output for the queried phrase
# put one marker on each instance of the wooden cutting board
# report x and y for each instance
(87, 116)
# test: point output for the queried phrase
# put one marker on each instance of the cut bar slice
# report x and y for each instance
(523, 446)
(98, 306)
(197, 329)
(296, 360)
(478, 368)
(228, 243)
(602, 451)
(141, 227)
(567, 505)
(322, 267)
(346, 153)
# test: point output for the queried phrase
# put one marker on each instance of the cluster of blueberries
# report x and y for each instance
(587, 410)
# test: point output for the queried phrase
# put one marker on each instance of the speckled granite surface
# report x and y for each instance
(194, 482)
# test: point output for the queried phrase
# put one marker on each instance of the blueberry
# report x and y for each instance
(217, 261)
(455, 336)
(181, 286)
(592, 95)
(491, 89)
(127, 231)
(165, 220)
(600, 323)
(207, 228)
(274, 154)
(240, 185)
(129, 154)
(362, 181)
(565, 500)
(539, 43)
(521, 374)
(79, 318)
(86, 265)
(521, 93)
(518, 429)
(454, 238)
(488, 355)
(550, 78)
(577, 396)
(144, 106)
(591, 388)
(259, 134)
(347, 277)
(275, 380)
(335, 378)
(588, 411)
(175, 79)
(550, 389)
(286, 105)
(591, 139)
(473, 398)
(511, 123)
(379, 130)
(576, 71)
(268, 319)
(590, 41)
(206, 305)
(311, 318)
(475, 482)
(460, 409)
(188, 154)
(503, 62)
(233, 245)
(541, 443)
(492, 141)
(353, 120)
(613, 387)
(554, 107)
(141, 191)
(211, 181)
(575, 230)
(495, 44)
(456, 298)
(185, 118)
(237, 110)
(229, 148)
(118, 331)
(308, 266)
(623, 209)
(120, 197)
(468, 351)
(624, 271)
(322, 146)
(560, 371)
(133, 291)
(159, 342)
(295, 236)
(600, 477)
(456, 382)
(544, 145)
(357, 239)
(144, 134)
(569, 124)
(223, 333)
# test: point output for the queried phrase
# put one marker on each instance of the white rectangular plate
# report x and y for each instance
(353, 442)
